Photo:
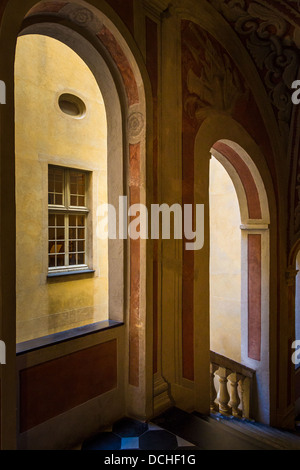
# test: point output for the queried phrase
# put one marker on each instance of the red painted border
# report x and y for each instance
(254, 207)
(135, 258)
(254, 297)
(121, 61)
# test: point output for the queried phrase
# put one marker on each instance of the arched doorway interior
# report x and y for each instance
(251, 335)
(225, 264)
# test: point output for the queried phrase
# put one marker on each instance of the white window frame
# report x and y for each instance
(67, 210)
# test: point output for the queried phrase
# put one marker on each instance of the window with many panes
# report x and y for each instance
(68, 211)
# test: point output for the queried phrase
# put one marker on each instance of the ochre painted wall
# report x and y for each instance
(225, 264)
(45, 68)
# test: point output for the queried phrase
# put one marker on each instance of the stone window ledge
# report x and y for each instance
(64, 336)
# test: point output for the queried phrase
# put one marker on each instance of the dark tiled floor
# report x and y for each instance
(205, 432)
(129, 434)
(173, 430)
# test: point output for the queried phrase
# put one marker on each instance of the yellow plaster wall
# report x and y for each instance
(225, 264)
(44, 69)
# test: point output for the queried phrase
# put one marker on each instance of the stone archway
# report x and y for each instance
(255, 221)
(238, 148)
(115, 68)
(96, 38)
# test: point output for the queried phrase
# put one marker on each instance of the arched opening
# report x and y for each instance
(293, 368)
(240, 316)
(98, 43)
(225, 264)
(61, 179)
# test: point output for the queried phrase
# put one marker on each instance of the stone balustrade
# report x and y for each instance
(230, 387)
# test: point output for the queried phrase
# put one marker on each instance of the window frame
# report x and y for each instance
(67, 210)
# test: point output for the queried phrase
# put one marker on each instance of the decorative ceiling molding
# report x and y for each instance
(290, 10)
(268, 37)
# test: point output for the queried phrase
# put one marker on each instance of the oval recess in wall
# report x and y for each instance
(72, 105)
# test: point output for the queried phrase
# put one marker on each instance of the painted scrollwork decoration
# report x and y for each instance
(268, 38)
(218, 86)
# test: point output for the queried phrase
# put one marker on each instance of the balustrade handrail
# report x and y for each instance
(232, 365)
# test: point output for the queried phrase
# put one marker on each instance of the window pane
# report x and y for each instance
(72, 233)
(77, 239)
(81, 258)
(81, 246)
(60, 247)
(74, 200)
(81, 179)
(60, 220)
(72, 220)
(51, 247)
(58, 200)
(81, 189)
(56, 240)
(51, 181)
(56, 186)
(72, 260)
(73, 188)
(52, 262)
(77, 188)
(81, 221)
(59, 187)
(81, 201)
(72, 247)
(51, 233)
(73, 179)
(51, 220)
(50, 198)
(60, 261)
(81, 234)
(60, 234)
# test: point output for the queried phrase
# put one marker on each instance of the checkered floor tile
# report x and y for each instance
(129, 434)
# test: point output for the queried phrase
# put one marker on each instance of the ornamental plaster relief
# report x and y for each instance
(269, 38)
(218, 86)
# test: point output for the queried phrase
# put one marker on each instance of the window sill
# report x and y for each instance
(69, 273)
(64, 336)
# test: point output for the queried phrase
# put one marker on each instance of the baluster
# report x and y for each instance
(213, 391)
(234, 380)
(244, 389)
(223, 396)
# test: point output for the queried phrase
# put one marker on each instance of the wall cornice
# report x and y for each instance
(156, 7)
